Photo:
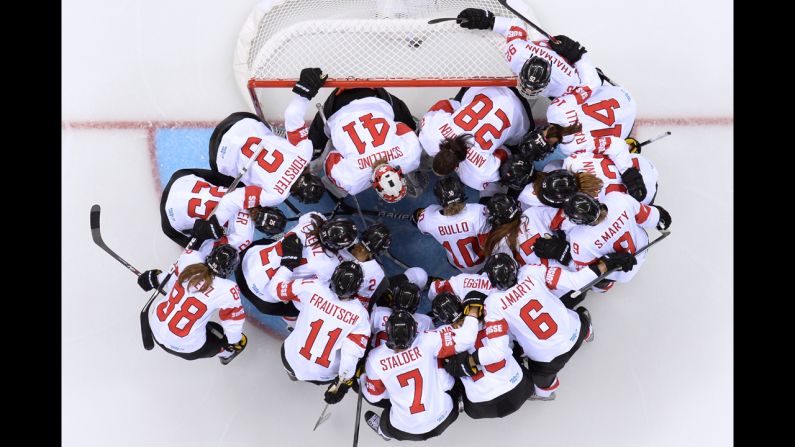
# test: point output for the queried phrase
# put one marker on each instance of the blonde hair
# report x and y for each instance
(453, 208)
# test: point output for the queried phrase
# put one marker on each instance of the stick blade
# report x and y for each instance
(447, 19)
(95, 209)
(321, 420)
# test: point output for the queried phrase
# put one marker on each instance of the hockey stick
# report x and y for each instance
(517, 5)
(446, 19)
(323, 416)
(146, 330)
(652, 140)
(585, 288)
(97, 236)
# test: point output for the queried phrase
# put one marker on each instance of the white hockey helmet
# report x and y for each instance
(389, 183)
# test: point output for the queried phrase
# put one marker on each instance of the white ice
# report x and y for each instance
(658, 374)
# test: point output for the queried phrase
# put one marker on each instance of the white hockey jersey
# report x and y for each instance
(178, 319)
(535, 222)
(603, 167)
(493, 115)
(461, 235)
(563, 78)
(493, 379)
(259, 264)
(622, 230)
(191, 197)
(413, 380)
(378, 318)
(362, 133)
(372, 273)
(281, 162)
(330, 334)
(533, 315)
(607, 111)
(316, 260)
(460, 285)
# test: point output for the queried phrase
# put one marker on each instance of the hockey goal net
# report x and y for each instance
(367, 43)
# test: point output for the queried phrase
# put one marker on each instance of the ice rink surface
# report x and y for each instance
(658, 374)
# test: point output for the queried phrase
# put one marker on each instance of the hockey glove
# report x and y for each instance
(333, 396)
(571, 50)
(207, 229)
(291, 251)
(632, 179)
(148, 280)
(459, 365)
(476, 18)
(415, 216)
(239, 346)
(309, 82)
(555, 247)
(634, 146)
(474, 300)
(665, 218)
(620, 260)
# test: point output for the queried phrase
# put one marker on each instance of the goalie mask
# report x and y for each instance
(389, 183)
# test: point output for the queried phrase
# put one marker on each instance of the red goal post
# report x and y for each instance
(366, 43)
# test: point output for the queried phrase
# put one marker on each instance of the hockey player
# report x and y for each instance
(192, 194)
(368, 128)
(318, 242)
(403, 376)
(460, 227)
(375, 240)
(180, 320)
(524, 308)
(404, 296)
(497, 390)
(554, 187)
(467, 134)
(602, 167)
(281, 168)
(332, 330)
(615, 225)
(544, 67)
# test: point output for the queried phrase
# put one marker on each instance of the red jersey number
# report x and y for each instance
(464, 246)
(403, 379)
(269, 166)
(333, 335)
(543, 326)
(377, 127)
(604, 112)
(468, 118)
(191, 310)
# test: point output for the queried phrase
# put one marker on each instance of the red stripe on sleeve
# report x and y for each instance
(552, 277)
(557, 220)
(298, 135)
(494, 367)
(501, 154)
(359, 339)
(514, 33)
(448, 345)
(442, 286)
(615, 188)
(332, 159)
(496, 329)
(235, 313)
(284, 291)
(403, 129)
(643, 214)
(442, 104)
(252, 196)
(375, 386)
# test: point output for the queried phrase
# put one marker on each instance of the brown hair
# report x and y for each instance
(197, 274)
(317, 221)
(558, 131)
(509, 230)
(452, 151)
(360, 252)
(453, 208)
(586, 182)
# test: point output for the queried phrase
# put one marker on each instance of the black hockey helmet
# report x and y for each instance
(534, 77)
(534, 145)
(449, 190)
(401, 330)
(502, 209)
(338, 233)
(406, 296)
(222, 260)
(582, 209)
(308, 188)
(447, 308)
(556, 187)
(502, 270)
(376, 238)
(270, 220)
(517, 172)
(346, 279)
